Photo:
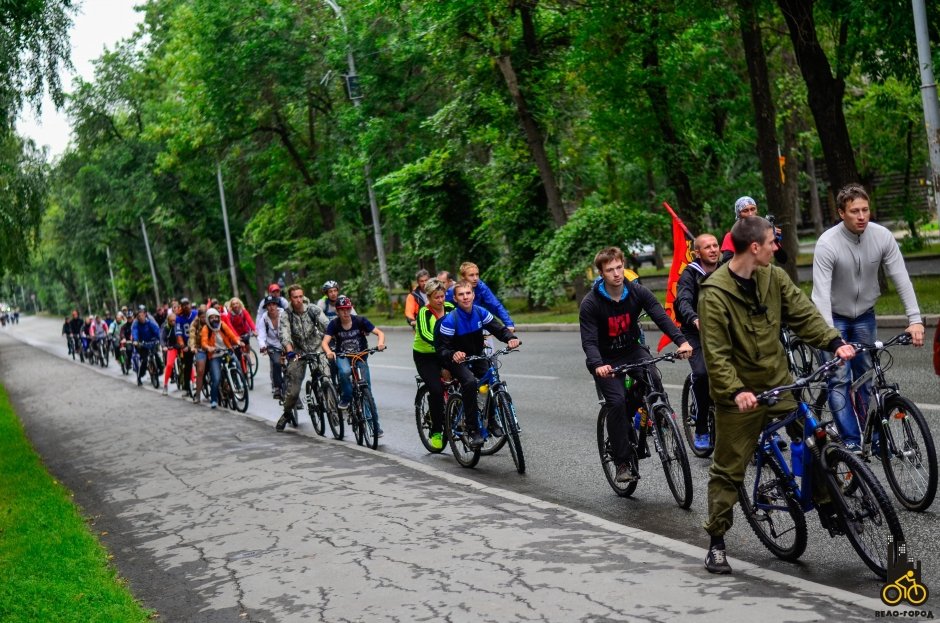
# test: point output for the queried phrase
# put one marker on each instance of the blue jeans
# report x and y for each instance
(344, 367)
(215, 377)
(861, 329)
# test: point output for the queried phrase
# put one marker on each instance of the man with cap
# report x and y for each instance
(746, 206)
(268, 337)
(274, 290)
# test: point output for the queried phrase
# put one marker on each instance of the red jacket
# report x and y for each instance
(240, 323)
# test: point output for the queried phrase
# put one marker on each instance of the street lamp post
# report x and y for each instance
(228, 235)
(928, 92)
(153, 271)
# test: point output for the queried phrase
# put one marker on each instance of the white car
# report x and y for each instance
(639, 252)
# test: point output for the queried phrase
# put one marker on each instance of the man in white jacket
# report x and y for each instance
(845, 288)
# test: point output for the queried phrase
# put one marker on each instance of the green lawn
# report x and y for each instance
(51, 566)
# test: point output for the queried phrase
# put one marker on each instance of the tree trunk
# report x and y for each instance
(535, 141)
(815, 207)
(790, 210)
(825, 93)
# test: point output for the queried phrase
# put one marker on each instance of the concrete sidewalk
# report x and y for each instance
(215, 517)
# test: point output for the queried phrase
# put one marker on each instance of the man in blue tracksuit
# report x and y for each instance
(482, 295)
(144, 330)
(458, 335)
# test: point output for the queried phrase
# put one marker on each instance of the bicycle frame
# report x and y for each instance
(767, 444)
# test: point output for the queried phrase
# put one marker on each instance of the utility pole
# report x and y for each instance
(113, 288)
(928, 93)
(87, 298)
(228, 236)
(153, 271)
(355, 94)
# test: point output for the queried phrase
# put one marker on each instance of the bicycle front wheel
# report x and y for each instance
(506, 415)
(105, 353)
(423, 419)
(673, 455)
(608, 464)
(313, 408)
(154, 371)
(239, 389)
(908, 454)
(864, 507)
(370, 424)
(330, 406)
(771, 509)
(458, 433)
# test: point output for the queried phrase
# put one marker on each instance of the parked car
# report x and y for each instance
(639, 252)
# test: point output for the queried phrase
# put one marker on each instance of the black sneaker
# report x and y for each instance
(716, 561)
(829, 519)
(476, 439)
(281, 424)
(626, 474)
(497, 431)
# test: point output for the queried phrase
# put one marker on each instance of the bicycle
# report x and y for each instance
(497, 409)
(103, 350)
(320, 397)
(690, 415)
(362, 409)
(233, 387)
(154, 363)
(775, 505)
(657, 418)
(894, 428)
(423, 411)
(248, 359)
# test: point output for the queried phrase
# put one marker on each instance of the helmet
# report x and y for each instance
(329, 284)
(271, 299)
(185, 301)
(274, 288)
(141, 308)
(343, 302)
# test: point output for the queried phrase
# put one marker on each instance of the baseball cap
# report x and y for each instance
(271, 299)
(274, 288)
(343, 302)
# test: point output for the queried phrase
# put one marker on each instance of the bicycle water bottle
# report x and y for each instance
(484, 388)
(796, 454)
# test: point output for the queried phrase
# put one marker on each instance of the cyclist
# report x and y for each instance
(482, 294)
(240, 320)
(275, 291)
(269, 338)
(300, 328)
(215, 335)
(115, 334)
(425, 356)
(194, 343)
(349, 332)
(845, 288)
(446, 278)
(327, 304)
(99, 334)
(75, 328)
(168, 344)
(416, 299)
(610, 336)
(184, 320)
(746, 206)
(742, 306)
(66, 333)
(458, 335)
(708, 253)
(144, 332)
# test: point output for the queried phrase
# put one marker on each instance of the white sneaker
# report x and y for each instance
(164, 390)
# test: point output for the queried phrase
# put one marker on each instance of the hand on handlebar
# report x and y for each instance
(684, 351)
(916, 331)
(381, 347)
(746, 401)
(459, 356)
(513, 343)
(845, 352)
(604, 372)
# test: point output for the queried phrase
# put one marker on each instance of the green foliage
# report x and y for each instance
(571, 250)
(22, 196)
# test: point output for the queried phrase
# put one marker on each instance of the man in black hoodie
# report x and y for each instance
(610, 336)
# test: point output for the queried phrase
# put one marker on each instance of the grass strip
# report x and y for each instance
(51, 566)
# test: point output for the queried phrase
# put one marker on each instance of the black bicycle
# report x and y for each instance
(362, 409)
(320, 397)
(657, 420)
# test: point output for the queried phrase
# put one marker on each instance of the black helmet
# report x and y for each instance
(329, 284)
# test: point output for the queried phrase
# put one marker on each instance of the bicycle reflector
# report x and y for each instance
(820, 433)
(900, 415)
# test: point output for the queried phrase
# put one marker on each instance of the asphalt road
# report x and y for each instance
(556, 404)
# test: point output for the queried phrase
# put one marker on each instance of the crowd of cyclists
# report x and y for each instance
(731, 306)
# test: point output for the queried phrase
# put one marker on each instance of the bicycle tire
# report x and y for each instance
(863, 507)
(673, 456)
(689, 416)
(248, 372)
(491, 444)
(252, 356)
(774, 490)
(622, 489)
(313, 408)
(908, 454)
(331, 408)
(105, 352)
(152, 371)
(506, 416)
(370, 425)
(457, 435)
(423, 418)
(356, 419)
(239, 387)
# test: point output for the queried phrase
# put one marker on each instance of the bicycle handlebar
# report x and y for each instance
(623, 368)
(368, 351)
(771, 396)
(902, 339)
(495, 355)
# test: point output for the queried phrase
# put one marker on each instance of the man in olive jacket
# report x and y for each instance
(742, 306)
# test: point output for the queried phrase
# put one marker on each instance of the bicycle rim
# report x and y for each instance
(506, 415)
(867, 513)
(908, 455)
(458, 436)
(770, 508)
(673, 455)
(622, 489)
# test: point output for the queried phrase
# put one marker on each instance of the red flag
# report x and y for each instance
(682, 240)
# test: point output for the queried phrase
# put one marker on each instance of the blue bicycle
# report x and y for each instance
(775, 505)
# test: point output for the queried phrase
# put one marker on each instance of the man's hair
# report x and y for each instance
(848, 194)
(422, 273)
(433, 285)
(607, 255)
(696, 245)
(465, 267)
(463, 283)
(747, 230)
(445, 276)
(293, 288)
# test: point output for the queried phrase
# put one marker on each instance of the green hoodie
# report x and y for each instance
(741, 339)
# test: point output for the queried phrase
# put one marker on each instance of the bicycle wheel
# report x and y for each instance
(672, 453)
(239, 386)
(457, 433)
(772, 510)
(864, 508)
(690, 416)
(623, 489)
(506, 415)
(153, 370)
(908, 454)
(252, 356)
(423, 418)
(313, 408)
(330, 406)
(105, 352)
(370, 428)
(491, 445)
(248, 371)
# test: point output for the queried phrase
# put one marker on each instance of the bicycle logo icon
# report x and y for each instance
(907, 585)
